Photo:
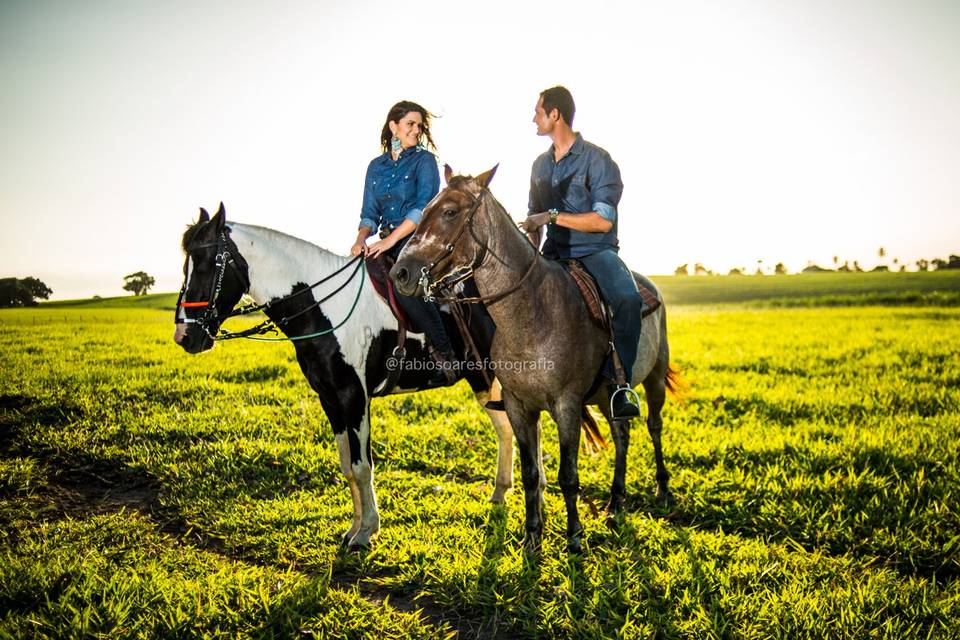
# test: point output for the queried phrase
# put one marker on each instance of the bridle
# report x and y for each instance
(225, 258)
(430, 286)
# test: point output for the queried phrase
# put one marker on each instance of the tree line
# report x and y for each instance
(25, 292)
(923, 264)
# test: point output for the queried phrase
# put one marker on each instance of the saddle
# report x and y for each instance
(378, 269)
(590, 291)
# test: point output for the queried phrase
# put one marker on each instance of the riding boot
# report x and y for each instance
(622, 406)
(444, 373)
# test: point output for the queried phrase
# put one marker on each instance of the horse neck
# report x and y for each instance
(278, 262)
(509, 253)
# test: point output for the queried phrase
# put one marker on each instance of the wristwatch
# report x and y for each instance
(553, 215)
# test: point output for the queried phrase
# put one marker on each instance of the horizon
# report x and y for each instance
(782, 132)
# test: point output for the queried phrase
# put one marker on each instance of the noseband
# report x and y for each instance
(452, 279)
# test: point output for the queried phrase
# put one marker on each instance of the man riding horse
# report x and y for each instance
(575, 187)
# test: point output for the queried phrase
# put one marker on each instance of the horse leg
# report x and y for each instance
(567, 416)
(525, 426)
(655, 388)
(620, 429)
(504, 430)
(362, 469)
(343, 446)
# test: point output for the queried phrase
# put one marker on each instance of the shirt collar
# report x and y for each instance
(576, 148)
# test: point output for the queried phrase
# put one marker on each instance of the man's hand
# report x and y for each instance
(535, 221)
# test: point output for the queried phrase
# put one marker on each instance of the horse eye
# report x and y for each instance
(449, 213)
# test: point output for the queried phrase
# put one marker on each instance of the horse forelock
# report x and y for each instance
(189, 234)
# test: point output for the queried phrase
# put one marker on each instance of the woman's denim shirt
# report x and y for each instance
(398, 190)
(586, 179)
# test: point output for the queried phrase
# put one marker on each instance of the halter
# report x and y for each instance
(222, 260)
(455, 277)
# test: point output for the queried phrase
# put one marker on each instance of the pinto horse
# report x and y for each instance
(540, 317)
(346, 364)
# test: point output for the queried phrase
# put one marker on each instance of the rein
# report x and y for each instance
(426, 273)
(222, 260)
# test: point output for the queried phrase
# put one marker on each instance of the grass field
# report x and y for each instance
(816, 465)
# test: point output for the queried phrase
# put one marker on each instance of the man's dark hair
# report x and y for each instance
(559, 98)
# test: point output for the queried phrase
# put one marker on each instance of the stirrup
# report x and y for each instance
(627, 390)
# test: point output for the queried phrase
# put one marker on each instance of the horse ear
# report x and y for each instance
(204, 216)
(220, 219)
(484, 178)
(447, 173)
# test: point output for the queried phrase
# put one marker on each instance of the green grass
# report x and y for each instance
(164, 301)
(148, 493)
(933, 288)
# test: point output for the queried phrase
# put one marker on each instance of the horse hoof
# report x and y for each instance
(531, 544)
(499, 496)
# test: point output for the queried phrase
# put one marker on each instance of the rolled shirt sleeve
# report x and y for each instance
(369, 215)
(606, 186)
(428, 186)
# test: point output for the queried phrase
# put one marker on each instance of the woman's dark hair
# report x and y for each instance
(559, 98)
(396, 114)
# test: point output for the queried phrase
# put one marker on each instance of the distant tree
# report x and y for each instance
(856, 267)
(903, 268)
(780, 269)
(845, 267)
(836, 261)
(700, 270)
(22, 292)
(882, 252)
(939, 263)
(881, 267)
(139, 283)
(954, 263)
(923, 264)
(813, 268)
(736, 271)
(681, 271)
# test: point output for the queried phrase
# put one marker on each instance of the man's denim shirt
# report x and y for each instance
(586, 179)
(398, 190)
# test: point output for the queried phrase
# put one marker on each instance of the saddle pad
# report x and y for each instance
(590, 292)
(378, 270)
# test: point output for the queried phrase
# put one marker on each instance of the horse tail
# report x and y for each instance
(678, 387)
(594, 441)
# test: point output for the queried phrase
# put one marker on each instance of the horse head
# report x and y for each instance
(451, 238)
(215, 277)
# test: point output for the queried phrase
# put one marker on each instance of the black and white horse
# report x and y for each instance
(346, 364)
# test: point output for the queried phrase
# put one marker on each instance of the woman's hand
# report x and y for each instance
(381, 246)
(359, 248)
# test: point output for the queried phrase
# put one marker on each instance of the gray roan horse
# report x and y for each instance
(540, 318)
(353, 331)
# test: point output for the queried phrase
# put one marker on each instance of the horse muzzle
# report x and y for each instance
(406, 276)
(194, 341)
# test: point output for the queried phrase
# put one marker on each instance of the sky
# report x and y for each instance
(775, 131)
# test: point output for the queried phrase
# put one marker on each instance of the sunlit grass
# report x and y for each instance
(147, 493)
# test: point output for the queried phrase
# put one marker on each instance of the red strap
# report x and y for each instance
(188, 305)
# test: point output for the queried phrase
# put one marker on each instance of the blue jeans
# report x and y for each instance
(424, 315)
(619, 291)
